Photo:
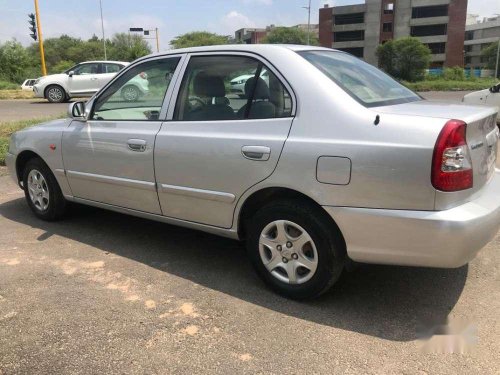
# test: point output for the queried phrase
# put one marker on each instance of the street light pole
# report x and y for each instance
(308, 22)
(158, 40)
(102, 27)
(498, 54)
(40, 38)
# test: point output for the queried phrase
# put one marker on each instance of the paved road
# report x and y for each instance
(11, 110)
(104, 292)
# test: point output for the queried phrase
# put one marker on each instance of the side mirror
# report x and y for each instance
(71, 73)
(76, 111)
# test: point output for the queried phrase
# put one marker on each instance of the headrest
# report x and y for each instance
(261, 90)
(209, 86)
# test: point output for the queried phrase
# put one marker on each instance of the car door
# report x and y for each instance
(84, 79)
(107, 72)
(109, 158)
(217, 145)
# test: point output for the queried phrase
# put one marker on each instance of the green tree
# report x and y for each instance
(126, 47)
(198, 38)
(489, 55)
(289, 35)
(15, 62)
(404, 58)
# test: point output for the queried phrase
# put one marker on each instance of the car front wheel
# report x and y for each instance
(295, 249)
(42, 191)
(55, 94)
(130, 93)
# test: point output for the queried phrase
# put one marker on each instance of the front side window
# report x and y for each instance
(365, 83)
(86, 69)
(230, 88)
(138, 94)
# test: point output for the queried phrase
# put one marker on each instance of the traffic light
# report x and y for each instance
(32, 26)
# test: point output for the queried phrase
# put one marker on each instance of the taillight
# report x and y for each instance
(451, 162)
(143, 75)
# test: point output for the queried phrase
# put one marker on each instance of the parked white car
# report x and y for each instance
(489, 97)
(28, 84)
(84, 80)
(238, 83)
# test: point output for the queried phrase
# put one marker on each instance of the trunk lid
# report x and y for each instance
(482, 139)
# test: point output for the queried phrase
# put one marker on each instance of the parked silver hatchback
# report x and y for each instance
(325, 160)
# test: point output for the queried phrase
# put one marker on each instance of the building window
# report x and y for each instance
(437, 48)
(428, 30)
(467, 60)
(430, 11)
(389, 8)
(469, 35)
(346, 19)
(468, 48)
(355, 51)
(348, 36)
(387, 27)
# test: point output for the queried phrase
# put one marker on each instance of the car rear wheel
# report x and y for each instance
(55, 94)
(42, 191)
(130, 93)
(295, 249)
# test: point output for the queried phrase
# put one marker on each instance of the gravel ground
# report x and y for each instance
(103, 292)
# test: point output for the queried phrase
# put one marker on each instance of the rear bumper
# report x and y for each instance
(447, 239)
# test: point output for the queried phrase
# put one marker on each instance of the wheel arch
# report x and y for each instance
(22, 158)
(266, 195)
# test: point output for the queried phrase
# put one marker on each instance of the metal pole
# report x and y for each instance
(498, 54)
(157, 40)
(309, 23)
(40, 39)
(102, 27)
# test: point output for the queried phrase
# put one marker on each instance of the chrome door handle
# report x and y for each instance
(138, 145)
(261, 153)
(93, 78)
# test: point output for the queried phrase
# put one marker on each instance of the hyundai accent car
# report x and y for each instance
(328, 161)
(85, 79)
(489, 97)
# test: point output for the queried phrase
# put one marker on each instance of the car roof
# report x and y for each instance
(242, 48)
(106, 61)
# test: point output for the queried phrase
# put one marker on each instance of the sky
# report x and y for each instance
(81, 18)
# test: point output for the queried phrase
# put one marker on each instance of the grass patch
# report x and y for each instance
(5, 85)
(9, 127)
(16, 94)
(445, 85)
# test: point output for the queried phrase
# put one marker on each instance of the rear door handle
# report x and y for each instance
(138, 145)
(261, 153)
(93, 78)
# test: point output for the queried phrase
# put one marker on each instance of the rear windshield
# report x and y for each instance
(365, 83)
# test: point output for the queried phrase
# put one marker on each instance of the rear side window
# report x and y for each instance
(365, 83)
(111, 68)
(224, 87)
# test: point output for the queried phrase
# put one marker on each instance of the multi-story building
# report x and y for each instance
(255, 35)
(359, 29)
(479, 35)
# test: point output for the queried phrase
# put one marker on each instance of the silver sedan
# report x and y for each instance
(325, 161)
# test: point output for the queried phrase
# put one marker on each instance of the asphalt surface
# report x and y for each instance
(25, 109)
(104, 292)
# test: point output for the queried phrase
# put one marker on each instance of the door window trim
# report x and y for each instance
(266, 63)
(166, 98)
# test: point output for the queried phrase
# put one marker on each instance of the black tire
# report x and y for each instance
(130, 93)
(325, 235)
(56, 205)
(55, 94)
